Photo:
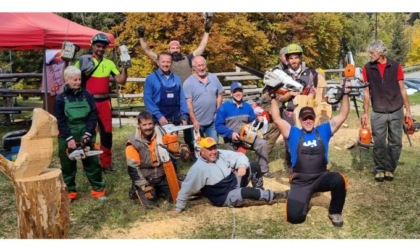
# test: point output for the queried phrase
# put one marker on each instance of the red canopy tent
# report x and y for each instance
(26, 31)
(30, 31)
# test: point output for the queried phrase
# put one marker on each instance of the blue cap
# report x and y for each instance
(235, 85)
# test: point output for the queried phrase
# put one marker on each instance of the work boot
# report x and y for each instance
(336, 220)
(268, 175)
(132, 193)
(389, 176)
(278, 195)
(257, 182)
(380, 176)
(72, 196)
(108, 170)
(180, 176)
(102, 198)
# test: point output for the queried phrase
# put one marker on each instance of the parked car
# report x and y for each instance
(410, 90)
(412, 83)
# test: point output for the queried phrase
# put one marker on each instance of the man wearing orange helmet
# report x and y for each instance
(388, 95)
(309, 157)
(96, 71)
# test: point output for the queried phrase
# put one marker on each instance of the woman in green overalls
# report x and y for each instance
(77, 117)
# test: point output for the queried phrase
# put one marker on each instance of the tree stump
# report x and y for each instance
(41, 195)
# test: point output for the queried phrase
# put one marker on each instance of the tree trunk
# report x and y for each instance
(41, 195)
(43, 207)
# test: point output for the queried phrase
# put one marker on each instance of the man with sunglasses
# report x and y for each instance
(309, 157)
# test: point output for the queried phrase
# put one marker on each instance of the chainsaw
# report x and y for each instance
(275, 78)
(248, 134)
(81, 153)
(125, 56)
(168, 148)
(410, 126)
(353, 79)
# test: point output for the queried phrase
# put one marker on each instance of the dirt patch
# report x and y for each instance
(165, 226)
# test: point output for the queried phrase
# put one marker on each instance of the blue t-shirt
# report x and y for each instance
(324, 131)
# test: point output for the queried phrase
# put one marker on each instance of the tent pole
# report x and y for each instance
(44, 79)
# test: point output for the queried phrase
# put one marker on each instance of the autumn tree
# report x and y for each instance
(413, 55)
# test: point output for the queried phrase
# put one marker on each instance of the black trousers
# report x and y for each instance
(304, 185)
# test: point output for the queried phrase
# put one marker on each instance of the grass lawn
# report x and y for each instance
(373, 210)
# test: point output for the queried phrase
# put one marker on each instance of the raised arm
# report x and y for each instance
(204, 40)
(339, 119)
(122, 77)
(141, 30)
(281, 124)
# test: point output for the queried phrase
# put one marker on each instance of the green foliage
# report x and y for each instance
(103, 21)
(399, 43)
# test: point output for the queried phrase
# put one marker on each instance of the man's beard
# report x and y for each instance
(176, 56)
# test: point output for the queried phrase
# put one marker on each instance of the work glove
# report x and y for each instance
(86, 140)
(184, 152)
(141, 31)
(147, 190)
(272, 92)
(207, 25)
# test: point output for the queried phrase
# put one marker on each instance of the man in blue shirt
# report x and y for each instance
(230, 118)
(309, 157)
(164, 97)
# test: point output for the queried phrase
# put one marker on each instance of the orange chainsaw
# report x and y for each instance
(410, 126)
(168, 146)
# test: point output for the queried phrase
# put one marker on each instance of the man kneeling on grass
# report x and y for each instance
(222, 177)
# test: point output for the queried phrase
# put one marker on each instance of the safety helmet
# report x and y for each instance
(100, 38)
(293, 49)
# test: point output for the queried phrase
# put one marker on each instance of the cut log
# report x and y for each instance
(41, 194)
(43, 207)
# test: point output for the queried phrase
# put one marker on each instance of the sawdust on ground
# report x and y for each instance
(165, 226)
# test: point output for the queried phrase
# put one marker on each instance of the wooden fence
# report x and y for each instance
(251, 92)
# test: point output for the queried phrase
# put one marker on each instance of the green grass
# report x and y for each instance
(373, 210)
(414, 99)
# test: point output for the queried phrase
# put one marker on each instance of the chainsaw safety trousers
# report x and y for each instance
(76, 113)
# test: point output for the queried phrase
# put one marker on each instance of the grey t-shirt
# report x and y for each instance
(203, 97)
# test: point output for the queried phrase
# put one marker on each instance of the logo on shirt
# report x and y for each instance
(310, 143)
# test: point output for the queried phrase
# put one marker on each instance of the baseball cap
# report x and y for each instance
(235, 85)
(207, 142)
(306, 112)
(258, 110)
(174, 43)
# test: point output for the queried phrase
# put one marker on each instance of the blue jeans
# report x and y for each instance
(209, 131)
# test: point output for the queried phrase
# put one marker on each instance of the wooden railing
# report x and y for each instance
(251, 91)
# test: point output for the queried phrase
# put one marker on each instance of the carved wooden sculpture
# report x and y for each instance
(41, 195)
(323, 110)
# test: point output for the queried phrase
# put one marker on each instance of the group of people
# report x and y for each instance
(182, 92)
